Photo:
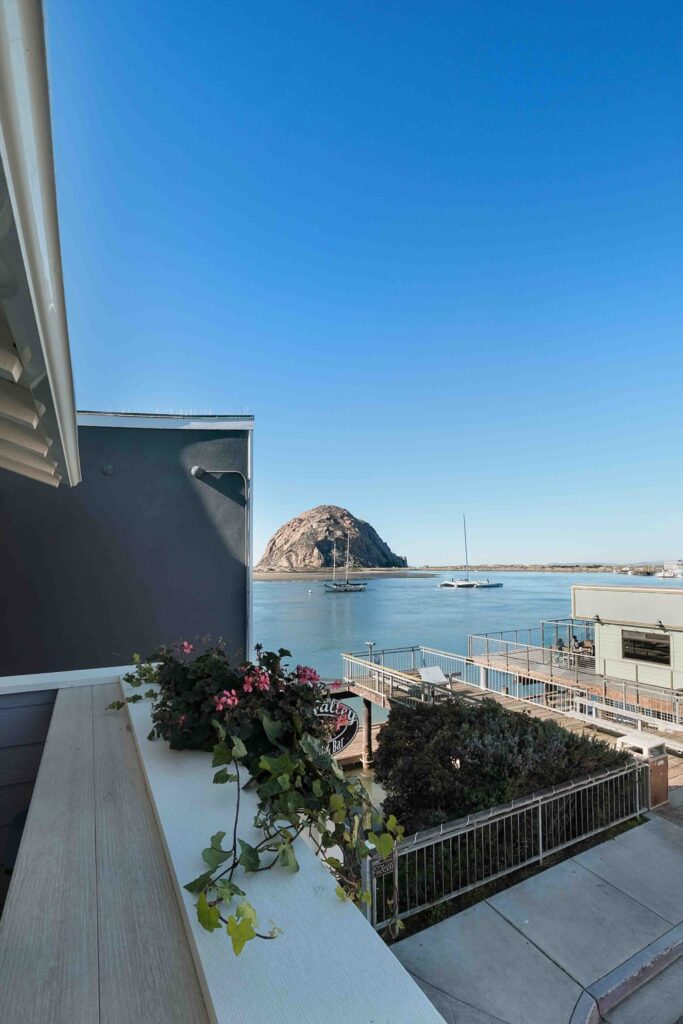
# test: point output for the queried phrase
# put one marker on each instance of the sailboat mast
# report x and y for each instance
(334, 561)
(347, 558)
(467, 561)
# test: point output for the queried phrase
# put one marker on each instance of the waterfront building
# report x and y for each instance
(638, 632)
(672, 570)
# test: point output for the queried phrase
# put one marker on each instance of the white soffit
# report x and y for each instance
(38, 435)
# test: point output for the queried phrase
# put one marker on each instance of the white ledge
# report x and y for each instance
(62, 680)
(327, 965)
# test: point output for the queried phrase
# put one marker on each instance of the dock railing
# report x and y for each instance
(561, 664)
(439, 864)
(613, 704)
(635, 703)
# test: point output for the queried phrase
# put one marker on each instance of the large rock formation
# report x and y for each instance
(307, 542)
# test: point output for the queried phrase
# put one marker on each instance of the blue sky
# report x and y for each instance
(435, 248)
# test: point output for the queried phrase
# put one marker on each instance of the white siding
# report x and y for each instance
(638, 606)
(610, 662)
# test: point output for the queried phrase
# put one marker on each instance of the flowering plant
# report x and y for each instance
(251, 700)
(260, 719)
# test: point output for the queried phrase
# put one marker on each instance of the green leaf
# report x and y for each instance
(220, 729)
(272, 729)
(366, 897)
(287, 858)
(223, 775)
(209, 917)
(337, 807)
(245, 910)
(228, 890)
(317, 787)
(386, 845)
(273, 787)
(214, 858)
(200, 883)
(151, 693)
(134, 698)
(249, 857)
(217, 840)
(238, 748)
(116, 705)
(240, 932)
(391, 823)
(340, 892)
(284, 653)
(278, 765)
(221, 755)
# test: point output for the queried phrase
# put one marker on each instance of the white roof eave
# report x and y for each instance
(33, 298)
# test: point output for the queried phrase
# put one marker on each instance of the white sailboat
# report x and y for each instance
(346, 586)
(467, 583)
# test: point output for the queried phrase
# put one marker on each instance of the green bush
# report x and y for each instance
(441, 762)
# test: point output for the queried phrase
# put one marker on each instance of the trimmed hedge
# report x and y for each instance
(441, 762)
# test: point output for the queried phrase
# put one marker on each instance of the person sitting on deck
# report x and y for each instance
(560, 644)
(575, 646)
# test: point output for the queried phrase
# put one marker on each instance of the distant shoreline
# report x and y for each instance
(278, 575)
(427, 571)
(637, 570)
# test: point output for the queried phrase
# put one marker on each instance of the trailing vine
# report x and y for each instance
(265, 734)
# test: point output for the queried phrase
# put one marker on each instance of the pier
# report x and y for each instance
(398, 675)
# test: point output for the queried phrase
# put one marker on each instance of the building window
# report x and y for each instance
(654, 647)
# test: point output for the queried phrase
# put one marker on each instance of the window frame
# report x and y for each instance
(640, 639)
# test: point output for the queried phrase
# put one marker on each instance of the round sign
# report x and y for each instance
(345, 721)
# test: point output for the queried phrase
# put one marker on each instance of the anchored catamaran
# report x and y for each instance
(345, 587)
(467, 583)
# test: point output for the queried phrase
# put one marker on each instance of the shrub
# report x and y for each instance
(441, 762)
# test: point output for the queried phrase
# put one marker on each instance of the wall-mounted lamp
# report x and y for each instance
(661, 624)
(596, 618)
(200, 471)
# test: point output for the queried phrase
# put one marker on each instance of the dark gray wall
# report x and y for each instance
(126, 561)
(24, 721)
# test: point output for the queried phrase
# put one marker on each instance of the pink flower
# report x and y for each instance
(263, 681)
(226, 699)
(181, 721)
(307, 675)
(341, 720)
(248, 684)
(335, 685)
(187, 647)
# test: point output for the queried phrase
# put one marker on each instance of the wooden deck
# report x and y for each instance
(353, 754)
(91, 932)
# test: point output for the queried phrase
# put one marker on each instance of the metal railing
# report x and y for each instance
(438, 865)
(638, 703)
(549, 633)
(565, 665)
(393, 675)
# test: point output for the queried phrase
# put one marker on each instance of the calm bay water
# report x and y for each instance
(317, 626)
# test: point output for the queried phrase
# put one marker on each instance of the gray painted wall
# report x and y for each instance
(142, 555)
(24, 721)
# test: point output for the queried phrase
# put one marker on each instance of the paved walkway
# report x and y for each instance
(547, 950)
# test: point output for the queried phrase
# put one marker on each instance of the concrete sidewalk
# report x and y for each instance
(566, 945)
